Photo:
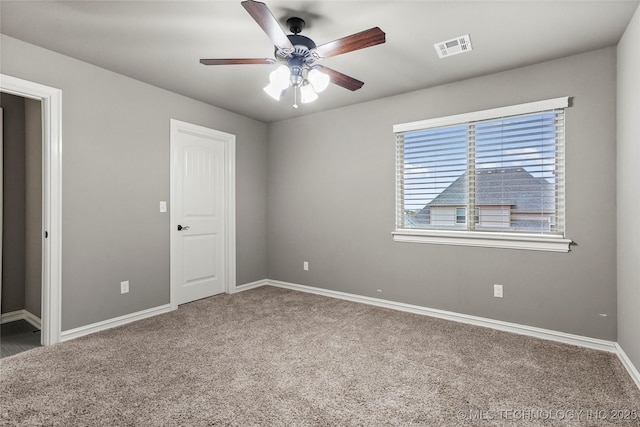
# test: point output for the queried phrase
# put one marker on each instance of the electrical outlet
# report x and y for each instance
(305, 266)
(124, 287)
(498, 291)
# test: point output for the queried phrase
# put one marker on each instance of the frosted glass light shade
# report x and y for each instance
(307, 94)
(280, 77)
(279, 81)
(318, 79)
(273, 91)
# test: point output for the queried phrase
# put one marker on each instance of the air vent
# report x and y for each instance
(455, 46)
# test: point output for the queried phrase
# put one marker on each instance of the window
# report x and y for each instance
(505, 165)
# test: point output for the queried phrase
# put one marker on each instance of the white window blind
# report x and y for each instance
(498, 170)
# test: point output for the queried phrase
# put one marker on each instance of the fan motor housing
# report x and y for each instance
(302, 47)
(298, 40)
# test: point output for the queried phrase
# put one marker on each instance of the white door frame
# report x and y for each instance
(51, 101)
(229, 140)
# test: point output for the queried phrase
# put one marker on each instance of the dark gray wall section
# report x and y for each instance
(13, 235)
(115, 162)
(331, 202)
(629, 191)
(33, 207)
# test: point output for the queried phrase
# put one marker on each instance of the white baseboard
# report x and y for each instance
(21, 315)
(112, 323)
(33, 319)
(12, 316)
(626, 362)
(252, 285)
(547, 334)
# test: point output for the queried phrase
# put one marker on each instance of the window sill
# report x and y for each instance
(532, 242)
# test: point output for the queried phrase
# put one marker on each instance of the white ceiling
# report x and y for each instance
(161, 42)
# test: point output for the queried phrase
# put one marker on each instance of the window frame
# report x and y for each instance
(492, 239)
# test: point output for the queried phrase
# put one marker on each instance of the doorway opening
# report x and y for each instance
(21, 218)
(50, 230)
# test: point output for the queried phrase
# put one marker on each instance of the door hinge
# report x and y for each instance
(46, 234)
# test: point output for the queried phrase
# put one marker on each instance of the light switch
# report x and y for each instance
(163, 206)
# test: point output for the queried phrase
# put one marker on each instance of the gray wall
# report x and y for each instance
(115, 162)
(33, 207)
(331, 202)
(629, 191)
(13, 235)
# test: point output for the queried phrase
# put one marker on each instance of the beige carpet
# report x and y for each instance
(273, 357)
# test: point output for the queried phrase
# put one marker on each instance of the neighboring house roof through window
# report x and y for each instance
(512, 186)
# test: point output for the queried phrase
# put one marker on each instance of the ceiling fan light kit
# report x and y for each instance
(311, 82)
(298, 56)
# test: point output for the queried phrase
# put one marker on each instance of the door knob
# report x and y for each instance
(180, 228)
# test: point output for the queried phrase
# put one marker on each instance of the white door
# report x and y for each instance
(198, 212)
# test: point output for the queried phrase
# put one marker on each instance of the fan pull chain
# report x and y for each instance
(295, 97)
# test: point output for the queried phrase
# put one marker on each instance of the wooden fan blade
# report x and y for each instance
(262, 15)
(367, 38)
(237, 61)
(341, 79)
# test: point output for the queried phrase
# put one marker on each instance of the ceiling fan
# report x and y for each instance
(299, 56)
